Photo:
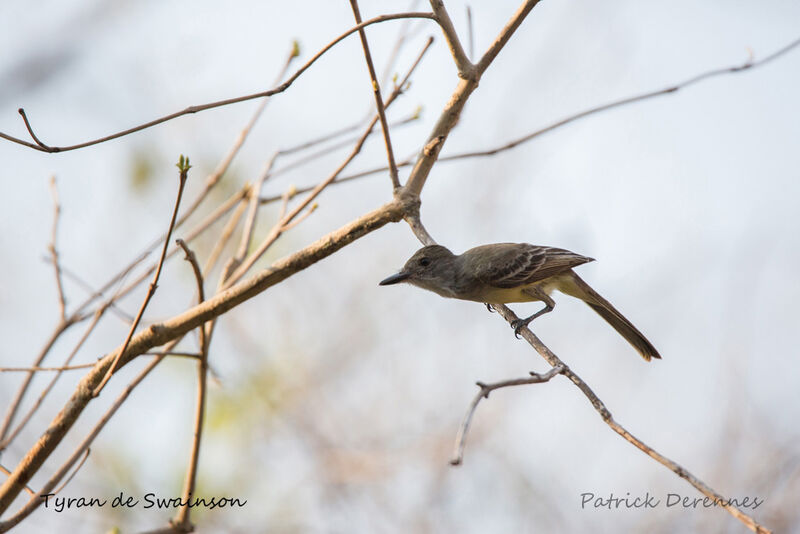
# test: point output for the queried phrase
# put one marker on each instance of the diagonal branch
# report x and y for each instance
(452, 111)
(466, 69)
(182, 520)
(461, 437)
(601, 409)
(183, 166)
(376, 91)
(158, 334)
(62, 301)
(40, 146)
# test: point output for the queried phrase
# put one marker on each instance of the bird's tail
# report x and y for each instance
(574, 286)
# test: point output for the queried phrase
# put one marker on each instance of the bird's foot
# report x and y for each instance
(489, 307)
(518, 325)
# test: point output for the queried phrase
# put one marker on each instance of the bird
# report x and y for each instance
(503, 273)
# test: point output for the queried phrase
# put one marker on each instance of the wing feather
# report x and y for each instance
(507, 265)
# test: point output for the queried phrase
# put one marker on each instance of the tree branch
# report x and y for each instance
(605, 414)
(376, 91)
(466, 70)
(40, 146)
(158, 334)
(182, 520)
(461, 437)
(452, 110)
(183, 174)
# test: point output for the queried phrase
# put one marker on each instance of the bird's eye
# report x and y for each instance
(425, 262)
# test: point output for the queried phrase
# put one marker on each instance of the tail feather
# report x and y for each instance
(580, 289)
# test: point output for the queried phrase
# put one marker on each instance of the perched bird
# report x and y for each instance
(513, 272)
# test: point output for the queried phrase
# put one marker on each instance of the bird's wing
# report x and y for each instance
(518, 264)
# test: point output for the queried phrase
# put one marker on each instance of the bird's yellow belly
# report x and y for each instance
(521, 293)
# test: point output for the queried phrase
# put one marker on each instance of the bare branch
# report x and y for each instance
(36, 501)
(74, 472)
(240, 270)
(376, 91)
(750, 64)
(252, 214)
(17, 400)
(505, 34)
(225, 236)
(37, 369)
(158, 334)
(62, 302)
(562, 122)
(182, 519)
(466, 70)
(183, 167)
(7, 472)
(40, 399)
(470, 33)
(452, 111)
(461, 437)
(601, 409)
(38, 145)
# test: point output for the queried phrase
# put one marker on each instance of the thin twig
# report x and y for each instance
(7, 472)
(75, 317)
(334, 147)
(466, 70)
(674, 88)
(182, 519)
(376, 91)
(225, 236)
(36, 501)
(15, 403)
(74, 472)
(504, 35)
(67, 273)
(62, 301)
(311, 209)
(403, 35)
(252, 214)
(211, 180)
(461, 437)
(174, 328)
(470, 33)
(455, 105)
(40, 399)
(37, 369)
(562, 122)
(605, 414)
(183, 167)
(192, 355)
(38, 145)
(279, 227)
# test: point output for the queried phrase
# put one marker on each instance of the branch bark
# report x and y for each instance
(158, 334)
(605, 414)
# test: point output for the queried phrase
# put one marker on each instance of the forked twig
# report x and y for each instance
(461, 437)
(39, 145)
(605, 414)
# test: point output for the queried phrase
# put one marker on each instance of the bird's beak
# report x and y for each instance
(395, 278)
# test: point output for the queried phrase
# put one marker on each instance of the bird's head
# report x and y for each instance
(430, 268)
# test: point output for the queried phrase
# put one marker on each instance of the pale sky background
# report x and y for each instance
(688, 202)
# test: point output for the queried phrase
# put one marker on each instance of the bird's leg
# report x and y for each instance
(549, 304)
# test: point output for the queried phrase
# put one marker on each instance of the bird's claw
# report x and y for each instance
(518, 325)
(489, 307)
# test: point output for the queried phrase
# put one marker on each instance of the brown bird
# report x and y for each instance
(513, 272)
